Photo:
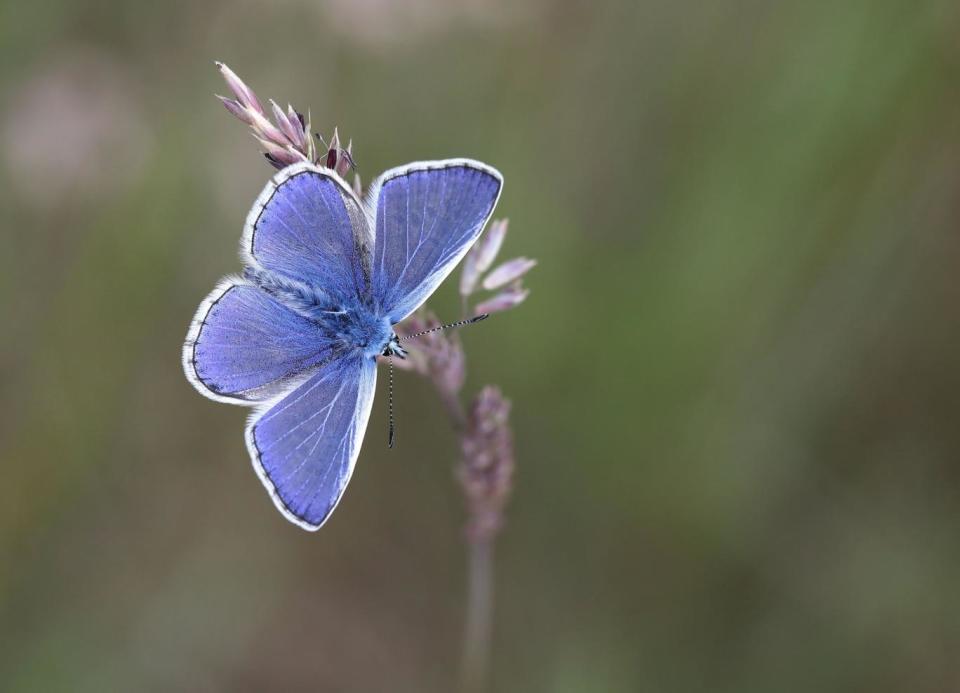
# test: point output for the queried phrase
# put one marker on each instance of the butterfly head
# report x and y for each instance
(394, 348)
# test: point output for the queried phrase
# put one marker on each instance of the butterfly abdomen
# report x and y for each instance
(303, 298)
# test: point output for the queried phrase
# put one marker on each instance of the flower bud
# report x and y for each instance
(505, 300)
(508, 272)
(481, 256)
(486, 473)
(244, 94)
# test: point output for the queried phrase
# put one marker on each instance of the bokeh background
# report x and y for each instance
(736, 383)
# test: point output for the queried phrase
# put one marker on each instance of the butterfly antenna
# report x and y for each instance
(391, 434)
(458, 323)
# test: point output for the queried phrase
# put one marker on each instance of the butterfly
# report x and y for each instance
(327, 276)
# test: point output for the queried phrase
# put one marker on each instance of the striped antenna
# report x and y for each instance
(458, 323)
(391, 435)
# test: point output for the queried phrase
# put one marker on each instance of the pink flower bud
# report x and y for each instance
(284, 155)
(236, 109)
(344, 162)
(334, 156)
(481, 256)
(486, 473)
(297, 121)
(266, 130)
(244, 94)
(507, 272)
(286, 127)
(493, 240)
(505, 300)
(469, 274)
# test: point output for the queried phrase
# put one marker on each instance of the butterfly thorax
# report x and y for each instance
(359, 328)
(352, 323)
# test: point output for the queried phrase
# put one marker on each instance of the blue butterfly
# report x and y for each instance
(327, 276)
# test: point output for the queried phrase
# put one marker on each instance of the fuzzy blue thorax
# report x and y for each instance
(359, 328)
(354, 326)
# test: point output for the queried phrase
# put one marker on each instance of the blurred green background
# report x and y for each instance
(736, 382)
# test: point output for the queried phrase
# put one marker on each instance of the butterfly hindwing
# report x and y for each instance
(304, 447)
(308, 225)
(246, 347)
(427, 216)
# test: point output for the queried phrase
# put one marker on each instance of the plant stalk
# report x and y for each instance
(479, 617)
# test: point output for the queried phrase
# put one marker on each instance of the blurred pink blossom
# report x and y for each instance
(508, 272)
(505, 300)
(74, 127)
(486, 472)
(511, 272)
(482, 255)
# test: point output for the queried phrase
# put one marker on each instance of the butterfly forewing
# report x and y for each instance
(309, 226)
(427, 217)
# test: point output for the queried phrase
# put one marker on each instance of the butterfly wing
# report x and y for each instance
(309, 226)
(245, 347)
(427, 216)
(304, 447)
